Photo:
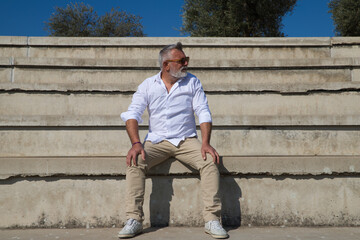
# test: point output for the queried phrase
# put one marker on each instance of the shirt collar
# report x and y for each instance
(158, 77)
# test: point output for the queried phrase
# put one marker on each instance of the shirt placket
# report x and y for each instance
(169, 97)
(167, 105)
(167, 123)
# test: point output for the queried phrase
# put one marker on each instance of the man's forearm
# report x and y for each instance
(132, 128)
(205, 128)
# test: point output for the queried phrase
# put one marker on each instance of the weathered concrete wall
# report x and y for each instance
(99, 201)
(286, 123)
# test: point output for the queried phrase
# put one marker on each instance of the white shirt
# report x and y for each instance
(171, 115)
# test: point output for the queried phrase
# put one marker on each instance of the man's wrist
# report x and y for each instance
(135, 143)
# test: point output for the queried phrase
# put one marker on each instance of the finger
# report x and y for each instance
(143, 154)
(203, 153)
(217, 157)
(128, 160)
(213, 156)
(134, 159)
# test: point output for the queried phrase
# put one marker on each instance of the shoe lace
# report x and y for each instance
(130, 224)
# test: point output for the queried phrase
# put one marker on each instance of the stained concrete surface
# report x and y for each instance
(242, 233)
(286, 123)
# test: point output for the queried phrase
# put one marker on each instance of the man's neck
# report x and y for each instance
(168, 80)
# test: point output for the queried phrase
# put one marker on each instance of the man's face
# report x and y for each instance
(177, 69)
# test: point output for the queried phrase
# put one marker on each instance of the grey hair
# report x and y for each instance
(163, 54)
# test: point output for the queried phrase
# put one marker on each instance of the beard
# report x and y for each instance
(179, 74)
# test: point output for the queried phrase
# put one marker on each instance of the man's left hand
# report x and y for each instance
(207, 148)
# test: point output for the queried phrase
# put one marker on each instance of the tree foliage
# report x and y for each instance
(119, 23)
(346, 17)
(235, 18)
(80, 20)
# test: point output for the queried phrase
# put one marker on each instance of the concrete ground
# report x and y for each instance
(242, 233)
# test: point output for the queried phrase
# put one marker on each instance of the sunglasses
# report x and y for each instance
(182, 61)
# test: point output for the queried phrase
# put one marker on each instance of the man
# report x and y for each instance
(171, 97)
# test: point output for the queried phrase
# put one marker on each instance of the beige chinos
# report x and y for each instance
(188, 152)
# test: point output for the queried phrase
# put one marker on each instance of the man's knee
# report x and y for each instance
(209, 165)
(137, 170)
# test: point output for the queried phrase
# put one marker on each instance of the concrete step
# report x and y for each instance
(197, 48)
(256, 200)
(230, 166)
(229, 141)
(103, 110)
(286, 75)
(252, 191)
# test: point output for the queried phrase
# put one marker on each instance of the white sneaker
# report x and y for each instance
(131, 228)
(215, 229)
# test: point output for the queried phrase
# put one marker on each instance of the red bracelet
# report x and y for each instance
(136, 143)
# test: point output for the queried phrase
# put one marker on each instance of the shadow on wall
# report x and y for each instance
(230, 194)
(161, 196)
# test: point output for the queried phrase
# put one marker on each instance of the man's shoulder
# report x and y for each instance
(191, 76)
(152, 78)
(148, 81)
(192, 79)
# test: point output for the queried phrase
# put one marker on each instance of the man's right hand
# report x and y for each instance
(134, 151)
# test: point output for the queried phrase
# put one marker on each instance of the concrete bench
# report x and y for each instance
(286, 121)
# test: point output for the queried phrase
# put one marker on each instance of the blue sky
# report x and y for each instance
(160, 18)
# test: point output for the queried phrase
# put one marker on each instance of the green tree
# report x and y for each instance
(80, 20)
(119, 23)
(235, 18)
(346, 17)
(76, 20)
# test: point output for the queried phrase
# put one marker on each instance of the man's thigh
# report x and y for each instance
(157, 153)
(189, 153)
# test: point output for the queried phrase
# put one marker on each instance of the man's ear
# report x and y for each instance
(165, 65)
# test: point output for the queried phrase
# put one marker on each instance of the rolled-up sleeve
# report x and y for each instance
(137, 106)
(200, 103)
